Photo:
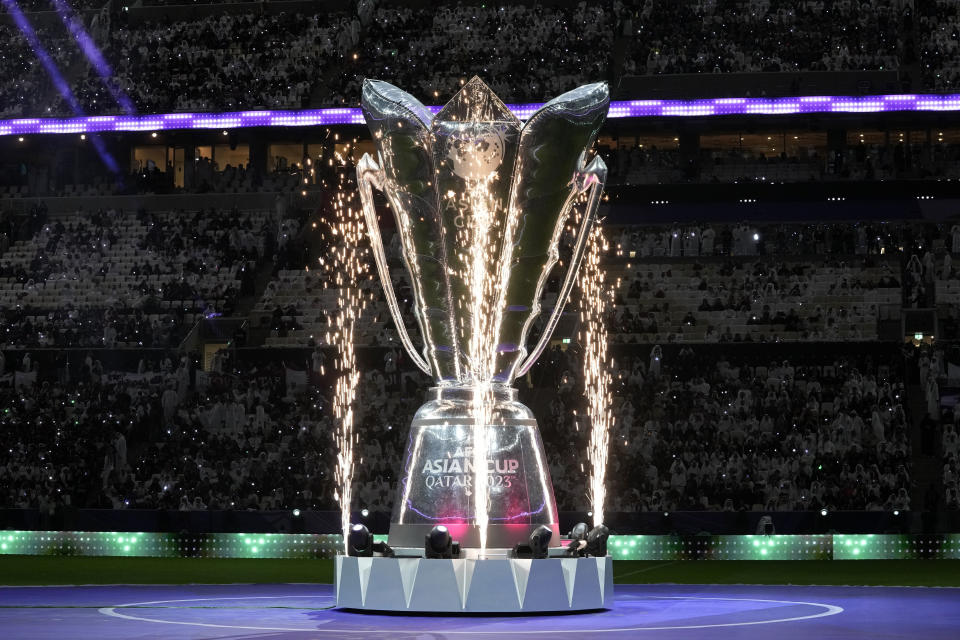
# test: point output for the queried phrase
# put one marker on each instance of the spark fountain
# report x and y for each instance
(480, 201)
(594, 296)
(345, 269)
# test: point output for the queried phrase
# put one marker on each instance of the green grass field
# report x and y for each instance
(39, 570)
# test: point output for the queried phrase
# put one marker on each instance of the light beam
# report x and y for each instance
(53, 72)
(92, 54)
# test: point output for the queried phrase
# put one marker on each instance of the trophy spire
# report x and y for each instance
(476, 102)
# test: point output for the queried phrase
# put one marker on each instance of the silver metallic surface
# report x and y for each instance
(475, 181)
(436, 485)
(535, 173)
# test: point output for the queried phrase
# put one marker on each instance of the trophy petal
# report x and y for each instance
(553, 143)
(400, 126)
(475, 139)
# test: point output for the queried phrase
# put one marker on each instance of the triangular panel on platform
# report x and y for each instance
(606, 580)
(569, 566)
(586, 586)
(408, 576)
(546, 587)
(464, 572)
(436, 587)
(349, 593)
(486, 590)
(364, 567)
(601, 572)
(521, 574)
(385, 585)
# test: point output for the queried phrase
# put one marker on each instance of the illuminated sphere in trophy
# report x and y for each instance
(480, 202)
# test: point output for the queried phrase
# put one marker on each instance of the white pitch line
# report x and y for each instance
(829, 610)
(110, 611)
(644, 570)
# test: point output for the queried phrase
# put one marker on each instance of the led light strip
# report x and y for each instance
(621, 109)
(622, 547)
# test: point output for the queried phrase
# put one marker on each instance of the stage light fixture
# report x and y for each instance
(537, 547)
(364, 512)
(438, 544)
(578, 540)
(597, 541)
(823, 512)
(359, 542)
(296, 513)
(540, 542)
(579, 531)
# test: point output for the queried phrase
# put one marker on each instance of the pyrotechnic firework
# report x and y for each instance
(485, 275)
(485, 260)
(594, 297)
(346, 268)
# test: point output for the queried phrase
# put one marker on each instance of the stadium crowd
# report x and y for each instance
(713, 424)
(109, 278)
(704, 429)
(743, 435)
(636, 164)
(268, 57)
(699, 36)
(939, 22)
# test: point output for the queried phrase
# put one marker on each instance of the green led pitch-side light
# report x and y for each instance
(627, 547)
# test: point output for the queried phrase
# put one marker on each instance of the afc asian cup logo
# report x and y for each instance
(476, 153)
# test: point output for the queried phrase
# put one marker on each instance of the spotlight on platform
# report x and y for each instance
(540, 541)
(765, 526)
(538, 545)
(359, 542)
(439, 544)
(597, 541)
(579, 531)
(578, 540)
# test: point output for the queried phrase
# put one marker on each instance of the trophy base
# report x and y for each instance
(436, 487)
(474, 586)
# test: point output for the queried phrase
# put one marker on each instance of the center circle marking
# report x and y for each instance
(827, 610)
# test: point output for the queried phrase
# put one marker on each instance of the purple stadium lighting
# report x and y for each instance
(48, 64)
(622, 109)
(55, 77)
(92, 53)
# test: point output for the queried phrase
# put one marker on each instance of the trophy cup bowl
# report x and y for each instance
(480, 202)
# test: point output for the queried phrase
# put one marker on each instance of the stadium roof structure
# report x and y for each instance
(708, 107)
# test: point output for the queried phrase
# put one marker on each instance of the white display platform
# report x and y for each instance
(466, 585)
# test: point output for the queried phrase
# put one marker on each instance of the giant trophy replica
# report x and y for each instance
(480, 202)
